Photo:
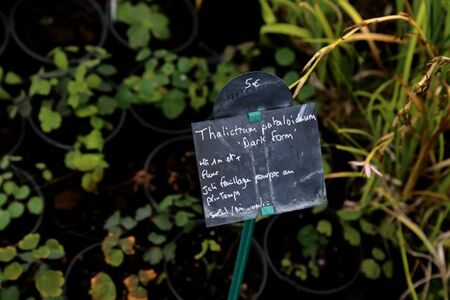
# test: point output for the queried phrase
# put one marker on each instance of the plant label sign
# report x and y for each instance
(268, 165)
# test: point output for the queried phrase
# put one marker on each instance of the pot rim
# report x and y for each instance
(85, 4)
(257, 247)
(63, 146)
(291, 282)
(189, 6)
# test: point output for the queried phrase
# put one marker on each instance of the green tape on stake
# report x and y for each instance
(267, 210)
(254, 116)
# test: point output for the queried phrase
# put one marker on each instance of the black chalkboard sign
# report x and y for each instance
(262, 163)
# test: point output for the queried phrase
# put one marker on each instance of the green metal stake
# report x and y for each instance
(241, 261)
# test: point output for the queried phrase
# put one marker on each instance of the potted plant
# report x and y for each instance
(26, 269)
(204, 261)
(21, 202)
(320, 255)
(12, 129)
(73, 109)
(170, 25)
(38, 29)
(172, 168)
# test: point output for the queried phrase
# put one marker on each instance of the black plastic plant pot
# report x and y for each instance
(183, 25)
(40, 26)
(337, 263)
(196, 275)
(66, 136)
(4, 33)
(90, 261)
(12, 132)
(173, 169)
(81, 214)
(27, 223)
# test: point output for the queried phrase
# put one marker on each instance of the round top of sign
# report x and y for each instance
(249, 92)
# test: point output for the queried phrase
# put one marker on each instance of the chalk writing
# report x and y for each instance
(244, 166)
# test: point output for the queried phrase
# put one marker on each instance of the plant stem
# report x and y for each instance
(409, 281)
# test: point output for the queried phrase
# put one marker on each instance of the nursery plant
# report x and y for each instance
(17, 198)
(80, 95)
(31, 255)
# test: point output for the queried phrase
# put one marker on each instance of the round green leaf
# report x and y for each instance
(49, 119)
(378, 254)
(107, 70)
(16, 209)
(181, 218)
(114, 257)
(143, 213)
(22, 192)
(162, 222)
(7, 253)
(156, 239)
(10, 293)
(102, 287)
(49, 283)
(4, 219)
(325, 227)
(30, 241)
(56, 249)
(173, 104)
(284, 56)
(371, 269)
(35, 205)
(388, 269)
(60, 60)
(9, 187)
(13, 271)
(154, 255)
(3, 199)
(41, 252)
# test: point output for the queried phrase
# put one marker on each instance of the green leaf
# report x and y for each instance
(86, 111)
(5, 219)
(203, 250)
(128, 223)
(156, 239)
(87, 162)
(143, 54)
(56, 249)
(378, 254)
(214, 246)
(60, 59)
(35, 205)
(138, 36)
(162, 222)
(9, 187)
(102, 287)
(49, 283)
(10, 293)
(12, 78)
(352, 235)
(371, 269)
(367, 227)
(13, 271)
(93, 81)
(325, 227)
(16, 209)
(169, 251)
(30, 241)
(107, 70)
(184, 64)
(3, 198)
(94, 140)
(285, 28)
(143, 213)
(388, 269)
(39, 86)
(181, 218)
(49, 119)
(114, 257)
(173, 104)
(7, 253)
(22, 192)
(154, 255)
(349, 215)
(41, 252)
(112, 221)
(284, 56)
(106, 105)
(167, 202)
